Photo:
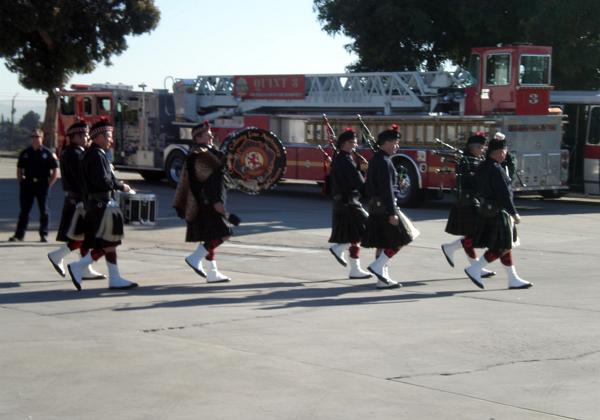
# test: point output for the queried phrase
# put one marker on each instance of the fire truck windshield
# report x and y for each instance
(67, 105)
(534, 70)
(497, 69)
(474, 72)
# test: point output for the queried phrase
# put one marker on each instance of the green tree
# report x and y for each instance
(46, 42)
(422, 34)
(30, 120)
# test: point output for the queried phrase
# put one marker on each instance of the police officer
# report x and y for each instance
(348, 217)
(463, 214)
(36, 173)
(103, 218)
(70, 169)
(200, 199)
(388, 229)
(498, 215)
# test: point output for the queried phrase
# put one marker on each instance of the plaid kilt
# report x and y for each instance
(495, 233)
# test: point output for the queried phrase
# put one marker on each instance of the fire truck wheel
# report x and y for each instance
(152, 176)
(408, 184)
(174, 165)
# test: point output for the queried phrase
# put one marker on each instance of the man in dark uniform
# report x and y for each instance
(463, 214)
(509, 164)
(36, 173)
(388, 229)
(70, 170)
(200, 199)
(498, 215)
(103, 218)
(349, 217)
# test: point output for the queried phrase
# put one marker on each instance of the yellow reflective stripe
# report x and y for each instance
(306, 163)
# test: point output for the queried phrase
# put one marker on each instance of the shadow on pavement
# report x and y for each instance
(298, 294)
(305, 297)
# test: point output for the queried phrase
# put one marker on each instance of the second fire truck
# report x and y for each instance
(506, 89)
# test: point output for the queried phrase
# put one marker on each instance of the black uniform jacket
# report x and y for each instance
(382, 181)
(347, 183)
(70, 170)
(37, 164)
(465, 172)
(98, 175)
(494, 186)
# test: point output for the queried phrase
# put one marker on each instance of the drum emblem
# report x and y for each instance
(255, 159)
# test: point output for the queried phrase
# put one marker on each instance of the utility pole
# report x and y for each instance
(143, 119)
(12, 120)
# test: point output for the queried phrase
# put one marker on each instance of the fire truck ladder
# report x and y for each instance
(376, 92)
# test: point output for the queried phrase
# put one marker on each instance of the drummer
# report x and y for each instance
(200, 200)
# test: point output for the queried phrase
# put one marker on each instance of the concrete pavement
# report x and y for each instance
(291, 337)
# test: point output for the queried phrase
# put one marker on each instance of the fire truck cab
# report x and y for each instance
(144, 131)
(509, 80)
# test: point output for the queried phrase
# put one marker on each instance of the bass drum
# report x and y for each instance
(256, 160)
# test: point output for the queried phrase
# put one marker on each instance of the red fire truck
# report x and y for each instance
(582, 136)
(506, 89)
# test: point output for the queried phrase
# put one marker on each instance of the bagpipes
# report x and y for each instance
(331, 139)
(369, 140)
(367, 137)
(452, 155)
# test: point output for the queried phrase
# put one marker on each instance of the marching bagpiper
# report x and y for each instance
(71, 179)
(509, 164)
(348, 215)
(388, 229)
(495, 229)
(103, 221)
(200, 199)
(463, 214)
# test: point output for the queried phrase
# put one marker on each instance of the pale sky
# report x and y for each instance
(226, 37)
